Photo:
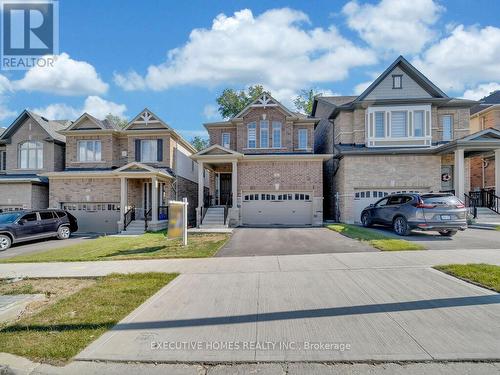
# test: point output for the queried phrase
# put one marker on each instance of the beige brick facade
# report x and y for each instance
(23, 195)
(109, 158)
(92, 190)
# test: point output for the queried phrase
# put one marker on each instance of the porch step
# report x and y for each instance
(136, 227)
(214, 218)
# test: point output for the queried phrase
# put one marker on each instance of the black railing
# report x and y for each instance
(147, 217)
(492, 201)
(471, 202)
(162, 212)
(128, 217)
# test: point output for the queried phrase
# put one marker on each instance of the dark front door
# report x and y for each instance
(225, 188)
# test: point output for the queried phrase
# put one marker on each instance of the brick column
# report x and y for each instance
(154, 199)
(459, 174)
(201, 186)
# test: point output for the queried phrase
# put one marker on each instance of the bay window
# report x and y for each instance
(303, 139)
(379, 124)
(89, 151)
(31, 155)
(399, 124)
(418, 123)
(264, 134)
(276, 134)
(251, 136)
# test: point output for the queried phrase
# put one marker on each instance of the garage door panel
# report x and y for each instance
(95, 217)
(280, 208)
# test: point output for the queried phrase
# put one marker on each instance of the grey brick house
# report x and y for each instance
(402, 134)
(29, 147)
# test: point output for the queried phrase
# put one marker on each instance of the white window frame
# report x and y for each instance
(441, 120)
(277, 127)
(303, 140)
(3, 166)
(153, 151)
(252, 135)
(383, 114)
(33, 153)
(226, 143)
(425, 140)
(91, 155)
(264, 134)
(397, 81)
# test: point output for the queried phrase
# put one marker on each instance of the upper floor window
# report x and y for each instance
(276, 134)
(379, 124)
(399, 127)
(89, 151)
(149, 150)
(418, 123)
(447, 126)
(397, 81)
(31, 155)
(252, 143)
(3, 160)
(264, 134)
(226, 140)
(303, 139)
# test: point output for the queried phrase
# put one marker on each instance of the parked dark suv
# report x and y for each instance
(439, 212)
(26, 225)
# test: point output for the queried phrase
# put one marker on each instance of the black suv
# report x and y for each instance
(26, 225)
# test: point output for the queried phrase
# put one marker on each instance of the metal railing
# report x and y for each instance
(492, 200)
(147, 217)
(471, 202)
(128, 217)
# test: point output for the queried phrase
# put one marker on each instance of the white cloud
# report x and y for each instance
(402, 26)
(188, 134)
(65, 77)
(360, 87)
(466, 57)
(210, 112)
(480, 91)
(94, 105)
(277, 49)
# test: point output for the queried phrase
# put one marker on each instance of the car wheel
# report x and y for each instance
(447, 233)
(63, 233)
(5, 242)
(365, 220)
(401, 227)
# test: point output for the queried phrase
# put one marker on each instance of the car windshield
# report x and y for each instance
(9, 217)
(444, 200)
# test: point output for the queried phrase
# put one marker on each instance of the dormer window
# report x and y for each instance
(397, 81)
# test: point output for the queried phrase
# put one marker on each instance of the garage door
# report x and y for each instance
(95, 217)
(280, 208)
(363, 198)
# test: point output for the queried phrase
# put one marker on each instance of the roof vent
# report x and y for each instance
(44, 119)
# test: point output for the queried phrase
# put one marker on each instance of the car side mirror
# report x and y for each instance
(371, 205)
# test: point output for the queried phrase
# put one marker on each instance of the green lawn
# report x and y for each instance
(60, 331)
(148, 246)
(486, 275)
(374, 238)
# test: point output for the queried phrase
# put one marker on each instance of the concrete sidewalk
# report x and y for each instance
(283, 263)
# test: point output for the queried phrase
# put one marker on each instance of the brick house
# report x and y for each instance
(263, 169)
(402, 134)
(484, 115)
(122, 179)
(30, 147)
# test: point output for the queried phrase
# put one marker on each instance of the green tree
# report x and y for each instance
(120, 121)
(199, 143)
(231, 102)
(304, 101)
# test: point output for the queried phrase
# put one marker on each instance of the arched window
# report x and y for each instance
(31, 155)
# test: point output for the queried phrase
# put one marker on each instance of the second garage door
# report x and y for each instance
(95, 217)
(277, 208)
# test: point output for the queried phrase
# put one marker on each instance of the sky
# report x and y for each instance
(175, 58)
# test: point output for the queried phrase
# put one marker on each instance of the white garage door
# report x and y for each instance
(363, 198)
(279, 208)
(95, 217)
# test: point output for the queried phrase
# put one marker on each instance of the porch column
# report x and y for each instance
(123, 196)
(497, 172)
(234, 184)
(201, 185)
(459, 174)
(154, 199)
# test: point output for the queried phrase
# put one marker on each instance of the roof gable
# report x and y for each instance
(415, 84)
(265, 101)
(489, 134)
(50, 127)
(217, 150)
(136, 167)
(146, 120)
(86, 122)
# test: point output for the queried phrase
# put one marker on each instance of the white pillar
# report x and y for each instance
(154, 199)
(497, 172)
(459, 174)
(234, 183)
(123, 201)
(201, 184)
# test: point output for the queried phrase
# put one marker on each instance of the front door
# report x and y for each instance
(225, 189)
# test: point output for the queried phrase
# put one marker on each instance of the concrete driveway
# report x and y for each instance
(289, 241)
(468, 239)
(42, 245)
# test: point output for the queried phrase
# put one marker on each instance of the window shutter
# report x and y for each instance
(137, 150)
(159, 150)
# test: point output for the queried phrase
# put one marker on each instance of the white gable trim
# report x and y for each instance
(144, 118)
(264, 101)
(81, 118)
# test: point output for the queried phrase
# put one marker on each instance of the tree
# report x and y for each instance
(199, 143)
(232, 102)
(120, 121)
(304, 101)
